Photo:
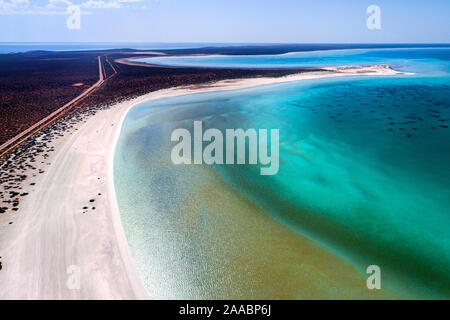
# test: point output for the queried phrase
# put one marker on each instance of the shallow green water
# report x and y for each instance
(364, 172)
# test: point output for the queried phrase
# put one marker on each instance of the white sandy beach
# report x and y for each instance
(52, 231)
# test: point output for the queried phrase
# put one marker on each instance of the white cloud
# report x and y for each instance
(14, 5)
(100, 4)
(54, 7)
(58, 4)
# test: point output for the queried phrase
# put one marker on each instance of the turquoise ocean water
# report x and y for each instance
(364, 169)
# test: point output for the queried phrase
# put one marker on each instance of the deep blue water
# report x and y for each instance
(364, 166)
(8, 47)
(403, 59)
(14, 47)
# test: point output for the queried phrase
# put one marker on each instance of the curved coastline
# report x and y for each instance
(93, 239)
(221, 86)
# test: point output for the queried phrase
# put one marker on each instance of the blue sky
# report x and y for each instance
(301, 21)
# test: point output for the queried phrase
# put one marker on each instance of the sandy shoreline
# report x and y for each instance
(57, 226)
